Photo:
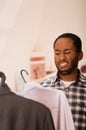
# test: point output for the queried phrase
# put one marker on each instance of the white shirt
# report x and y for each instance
(67, 83)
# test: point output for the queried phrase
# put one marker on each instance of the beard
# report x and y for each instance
(66, 72)
(71, 69)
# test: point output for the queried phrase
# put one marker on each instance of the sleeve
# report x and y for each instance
(46, 122)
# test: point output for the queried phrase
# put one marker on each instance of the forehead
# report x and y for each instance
(65, 43)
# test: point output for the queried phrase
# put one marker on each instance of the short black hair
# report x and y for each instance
(76, 40)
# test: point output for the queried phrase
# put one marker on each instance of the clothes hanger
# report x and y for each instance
(21, 72)
(3, 78)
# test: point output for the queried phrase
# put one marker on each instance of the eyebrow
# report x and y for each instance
(63, 50)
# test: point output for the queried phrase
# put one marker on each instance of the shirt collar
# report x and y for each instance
(57, 78)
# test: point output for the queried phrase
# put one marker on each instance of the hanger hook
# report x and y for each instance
(3, 78)
(21, 72)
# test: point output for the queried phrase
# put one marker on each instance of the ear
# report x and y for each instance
(80, 55)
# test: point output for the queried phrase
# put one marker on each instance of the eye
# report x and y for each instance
(67, 51)
(57, 52)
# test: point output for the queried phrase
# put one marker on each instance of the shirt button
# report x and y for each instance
(67, 89)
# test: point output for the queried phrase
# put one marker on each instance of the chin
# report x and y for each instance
(65, 72)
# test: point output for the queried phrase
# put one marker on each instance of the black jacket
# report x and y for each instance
(18, 113)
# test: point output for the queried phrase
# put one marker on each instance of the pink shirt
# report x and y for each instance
(55, 100)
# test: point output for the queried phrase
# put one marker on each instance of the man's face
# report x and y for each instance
(66, 56)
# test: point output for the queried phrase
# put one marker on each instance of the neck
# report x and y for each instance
(69, 77)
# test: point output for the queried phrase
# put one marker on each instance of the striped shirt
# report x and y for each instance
(76, 95)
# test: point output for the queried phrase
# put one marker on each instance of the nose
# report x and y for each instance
(62, 56)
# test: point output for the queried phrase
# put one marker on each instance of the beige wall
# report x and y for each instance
(28, 23)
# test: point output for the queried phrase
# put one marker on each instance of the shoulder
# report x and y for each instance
(83, 77)
(48, 80)
(82, 81)
(28, 102)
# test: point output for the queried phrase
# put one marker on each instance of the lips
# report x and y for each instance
(63, 64)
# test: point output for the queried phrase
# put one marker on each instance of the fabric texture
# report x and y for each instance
(55, 100)
(76, 95)
(18, 113)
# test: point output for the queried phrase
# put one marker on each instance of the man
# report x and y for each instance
(67, 54)
(18, 113)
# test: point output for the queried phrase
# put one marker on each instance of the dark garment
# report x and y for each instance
(18, 113)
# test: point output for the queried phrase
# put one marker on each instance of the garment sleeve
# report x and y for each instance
(46, 121)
